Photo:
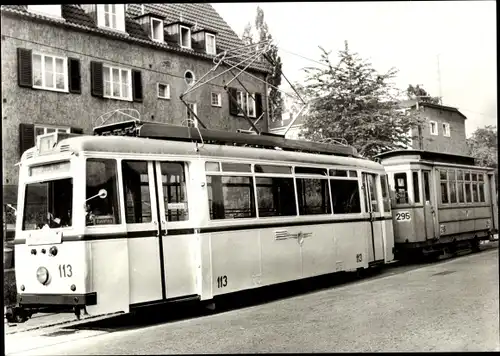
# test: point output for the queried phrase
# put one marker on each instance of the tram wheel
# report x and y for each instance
(476, 245)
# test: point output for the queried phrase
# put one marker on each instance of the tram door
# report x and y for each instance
(145, 281)
(376, 248)
(177, 244)
(429, 212)
(493, 200)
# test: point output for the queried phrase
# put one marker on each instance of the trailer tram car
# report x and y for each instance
(110, 222)
(440, 202)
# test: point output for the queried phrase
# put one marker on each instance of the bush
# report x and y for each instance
(9, 288)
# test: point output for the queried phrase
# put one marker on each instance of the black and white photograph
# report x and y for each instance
(250, 177)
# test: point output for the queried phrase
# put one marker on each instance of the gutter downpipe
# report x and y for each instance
(267, 103)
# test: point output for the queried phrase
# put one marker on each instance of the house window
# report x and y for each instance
(111, 16)
(434, 127)
(210, 43)
(185, 37)
(50, 72)
(117, 83)
(247, 103)
(446, 129)
(191, 119)
(47, 10)
(163, 91)
(157, 30)
(45, 129)
(216, 99)
(189, 77)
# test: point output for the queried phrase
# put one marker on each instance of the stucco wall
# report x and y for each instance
(26, 105)
(456, 143)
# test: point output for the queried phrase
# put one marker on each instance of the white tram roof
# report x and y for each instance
(126, 145)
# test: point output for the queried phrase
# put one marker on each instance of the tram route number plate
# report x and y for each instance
(403, 216)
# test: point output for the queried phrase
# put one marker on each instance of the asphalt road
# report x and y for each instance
(447, 306)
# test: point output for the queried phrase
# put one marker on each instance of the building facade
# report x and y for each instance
(443, 129)
(64, 66)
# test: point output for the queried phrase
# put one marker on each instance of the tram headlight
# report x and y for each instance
(42, 274)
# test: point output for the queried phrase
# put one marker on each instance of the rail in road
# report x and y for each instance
(423, 308)
(151, 316)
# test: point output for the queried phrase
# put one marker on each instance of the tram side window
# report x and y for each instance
(475, 195)
(460, 186)
(275, 196)
(401, 186)
(444, 186)
(230, 197)
(372, 187)
(136, 190)
(313, 196)
(427, 189)
(385, 193)
(452, 181)
(101, 174)
(345, 196)
(468, 192)
(173, 180)
(416, 187)
(482, 197)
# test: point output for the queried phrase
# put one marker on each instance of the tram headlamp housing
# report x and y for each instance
(42, 274)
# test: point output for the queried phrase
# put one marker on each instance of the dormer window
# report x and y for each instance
(46, 10)
(210, 43)
(203, 41)
(156, 30)
(111, 16)
(185, 37)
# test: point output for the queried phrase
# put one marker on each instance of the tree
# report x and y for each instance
(351, 101)
(483, 146)
(247, 34)
(274, 80)
(416, 91)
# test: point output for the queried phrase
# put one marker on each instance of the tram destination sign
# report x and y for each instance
(60, 167)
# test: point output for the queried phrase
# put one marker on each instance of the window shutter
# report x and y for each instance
(97, 81)
(74, 76)
(26, 137)
(76, 130)
(136, 85)
(24, 68)
(233, 105)
(258, 104)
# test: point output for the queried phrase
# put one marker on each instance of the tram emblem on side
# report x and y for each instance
(285, 235)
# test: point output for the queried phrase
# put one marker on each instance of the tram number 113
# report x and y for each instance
(65, 271)
(221, 281)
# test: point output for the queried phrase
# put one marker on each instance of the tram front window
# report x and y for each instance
(48, 204)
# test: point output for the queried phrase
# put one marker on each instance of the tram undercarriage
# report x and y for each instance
(445, 246)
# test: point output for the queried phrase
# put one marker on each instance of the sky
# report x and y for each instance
(411, 36)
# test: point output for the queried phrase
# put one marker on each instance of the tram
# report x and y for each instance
(144, 213)
(440, 202)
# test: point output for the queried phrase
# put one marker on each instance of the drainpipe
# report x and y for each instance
(267, 103)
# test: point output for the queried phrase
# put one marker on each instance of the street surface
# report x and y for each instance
(442, 306)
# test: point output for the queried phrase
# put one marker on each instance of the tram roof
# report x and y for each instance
(429, 155)
(143, 146)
